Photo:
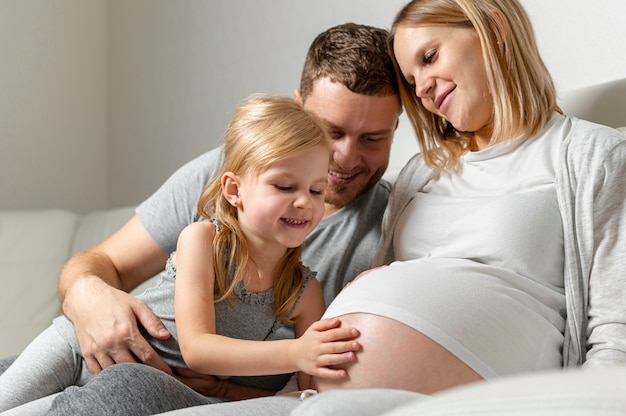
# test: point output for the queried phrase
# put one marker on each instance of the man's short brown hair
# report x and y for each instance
(353, 55)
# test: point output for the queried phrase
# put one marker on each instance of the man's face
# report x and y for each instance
(361, 129)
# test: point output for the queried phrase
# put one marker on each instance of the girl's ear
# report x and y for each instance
(230, 188)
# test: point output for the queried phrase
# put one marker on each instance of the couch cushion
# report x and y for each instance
(34, 245)
(98, 225)
(572, 392)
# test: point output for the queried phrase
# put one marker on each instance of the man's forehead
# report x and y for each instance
(341, 109)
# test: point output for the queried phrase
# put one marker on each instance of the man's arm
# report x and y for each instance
(93, 288)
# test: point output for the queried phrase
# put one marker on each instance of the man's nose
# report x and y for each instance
(346, 152)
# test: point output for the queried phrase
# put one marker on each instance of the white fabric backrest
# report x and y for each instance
(34, 245)
(602, 103)
(98, 225)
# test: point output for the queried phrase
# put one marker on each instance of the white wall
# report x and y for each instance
(178, 73)
(582, 41)
(103, 99)
(53, 118)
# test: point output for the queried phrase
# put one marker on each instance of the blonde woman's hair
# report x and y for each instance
(522, 89)
(264, 129)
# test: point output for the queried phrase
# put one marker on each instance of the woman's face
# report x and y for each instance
(445, 65)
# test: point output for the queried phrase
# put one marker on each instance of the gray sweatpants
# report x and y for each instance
(137, 389)
(48, 368)
(128, 389)
(48, 365)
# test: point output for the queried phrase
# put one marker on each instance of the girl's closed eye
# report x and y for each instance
(284, 188)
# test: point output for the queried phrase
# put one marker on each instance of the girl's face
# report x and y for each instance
(281, 206)
(445, 64)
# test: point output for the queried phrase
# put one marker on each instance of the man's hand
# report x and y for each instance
(107, 328)
(212, 386)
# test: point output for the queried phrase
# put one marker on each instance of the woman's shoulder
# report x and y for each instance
(587, 132)
(589, 141)
(412, 177)
(414, 166)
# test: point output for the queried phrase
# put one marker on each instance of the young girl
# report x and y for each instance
(238, 275)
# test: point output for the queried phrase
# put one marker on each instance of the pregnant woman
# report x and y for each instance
(504, 237)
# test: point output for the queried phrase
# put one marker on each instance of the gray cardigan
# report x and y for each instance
(591, 191)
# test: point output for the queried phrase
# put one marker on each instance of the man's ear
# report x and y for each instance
(297, 96)
(230, 188)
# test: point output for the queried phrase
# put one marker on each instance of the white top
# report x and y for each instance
(479, 260)
(590, 177)
(501, 210)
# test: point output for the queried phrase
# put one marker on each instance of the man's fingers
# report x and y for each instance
(93, 365)
(150, 322)
(101, 359)
(147, 355)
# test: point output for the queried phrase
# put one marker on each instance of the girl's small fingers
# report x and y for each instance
(332, 373)
(336, 359)
(340, 334)
(326, 325)
(329, 352)
(341, 347)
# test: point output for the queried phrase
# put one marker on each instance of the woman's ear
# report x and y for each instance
(230, 188)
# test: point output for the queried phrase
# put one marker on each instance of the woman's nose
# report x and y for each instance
(424, 87)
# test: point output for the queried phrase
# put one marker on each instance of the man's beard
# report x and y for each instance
(341, 195)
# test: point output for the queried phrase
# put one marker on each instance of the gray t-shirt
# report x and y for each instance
(339, 248)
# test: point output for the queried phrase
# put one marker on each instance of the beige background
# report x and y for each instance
(101, 100)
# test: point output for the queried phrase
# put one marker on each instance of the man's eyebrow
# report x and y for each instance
(367, 133)
(377, 132)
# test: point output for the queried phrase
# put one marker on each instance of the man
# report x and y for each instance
(348, 80)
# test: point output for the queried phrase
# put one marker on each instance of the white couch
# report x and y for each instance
(34, 245)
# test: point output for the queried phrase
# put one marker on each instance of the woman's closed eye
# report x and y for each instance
(429, 57)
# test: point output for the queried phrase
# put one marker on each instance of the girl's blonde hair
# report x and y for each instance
(520, 85)
(264, 129)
